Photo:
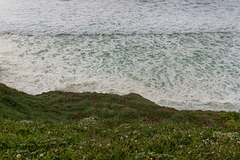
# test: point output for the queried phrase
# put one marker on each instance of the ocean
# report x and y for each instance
(183, 54)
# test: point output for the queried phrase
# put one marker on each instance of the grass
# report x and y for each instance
(65, 125)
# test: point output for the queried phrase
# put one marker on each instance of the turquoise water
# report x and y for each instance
(181, 54)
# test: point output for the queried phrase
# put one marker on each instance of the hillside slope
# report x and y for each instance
(65, 125)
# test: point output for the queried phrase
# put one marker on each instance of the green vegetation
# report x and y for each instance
(60, 125)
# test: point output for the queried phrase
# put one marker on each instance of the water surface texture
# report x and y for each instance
(182, 54)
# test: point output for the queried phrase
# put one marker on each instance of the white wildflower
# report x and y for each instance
(19, 155)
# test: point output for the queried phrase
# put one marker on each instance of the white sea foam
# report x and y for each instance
(196, 71)
(183, 54)
(118, 16)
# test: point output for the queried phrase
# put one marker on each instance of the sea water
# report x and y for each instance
(180, 53)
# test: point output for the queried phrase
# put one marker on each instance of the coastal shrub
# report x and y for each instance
(94, 130)
(88, 112)
(209, 134)
(179, 135)
(129, 113)
(102, 104)
(13, 114)
(112, 121)
(179, 118)
(106, 113)
(231, 116)
(233, 119)
(166, 157)
(235, 124)
(115, 106)
(84, 105)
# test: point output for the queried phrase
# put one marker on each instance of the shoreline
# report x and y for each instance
(220, 106)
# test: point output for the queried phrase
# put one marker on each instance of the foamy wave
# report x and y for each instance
(94, 17)
(192, 71)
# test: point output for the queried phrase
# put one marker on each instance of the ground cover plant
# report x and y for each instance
(66, 125)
